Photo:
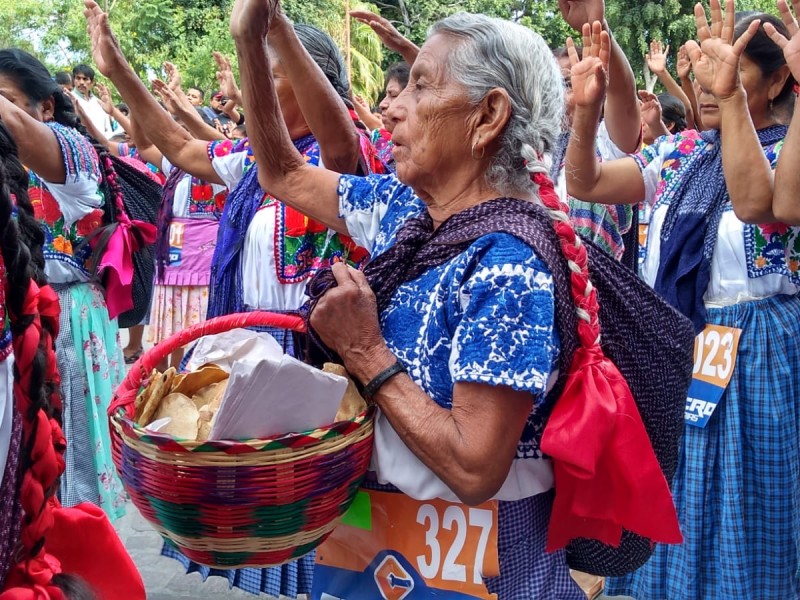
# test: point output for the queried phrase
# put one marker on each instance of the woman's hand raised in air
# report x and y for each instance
(590, 71)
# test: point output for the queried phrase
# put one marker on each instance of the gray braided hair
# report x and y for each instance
(499, 54)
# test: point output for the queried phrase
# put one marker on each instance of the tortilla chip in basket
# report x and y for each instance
(183, 415)
(160, 387)
(352, 403)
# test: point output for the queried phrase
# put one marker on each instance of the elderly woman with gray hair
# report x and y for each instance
(459, 358)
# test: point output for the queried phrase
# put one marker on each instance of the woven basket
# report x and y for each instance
(256, 503)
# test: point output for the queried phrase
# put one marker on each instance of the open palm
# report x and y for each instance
(790, 47)
(106, 53)
(589, 73)
(715, 60)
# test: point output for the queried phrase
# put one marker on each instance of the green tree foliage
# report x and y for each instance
(187, 31)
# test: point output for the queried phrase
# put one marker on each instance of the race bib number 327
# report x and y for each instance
(715, 350)
(409, 549)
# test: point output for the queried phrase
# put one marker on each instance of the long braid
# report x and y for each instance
(33, 315)
(584, 295)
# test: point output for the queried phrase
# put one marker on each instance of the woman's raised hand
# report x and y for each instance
(174, 79)
(105, 98)
(715, 59)
(388, 34)
(227, 82)
(167, 95)
(590, 72)
(650, 108)
(251, 19)
(790, 47)
(106, 53)
(657, 57)
(683, 65)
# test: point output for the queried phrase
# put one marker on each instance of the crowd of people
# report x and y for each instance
(415, 227)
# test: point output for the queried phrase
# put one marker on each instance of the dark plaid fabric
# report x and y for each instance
(651, 343)
(141, 197)
(10, 507)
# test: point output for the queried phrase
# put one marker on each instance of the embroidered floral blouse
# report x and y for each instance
(283, 248)
(69, 211)
(749, 261)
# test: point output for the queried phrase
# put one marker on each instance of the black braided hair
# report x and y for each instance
(23, 258)
(33, 78)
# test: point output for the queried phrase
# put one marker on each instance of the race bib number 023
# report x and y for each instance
(399, 548)
(715, 350)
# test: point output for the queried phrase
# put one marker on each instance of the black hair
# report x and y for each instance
(74, 588)
(83, 69)
(400, 72)
(34, 80)
(63, 78)
(124, 109)
(766, 53)
(672, 111)
(326, 54)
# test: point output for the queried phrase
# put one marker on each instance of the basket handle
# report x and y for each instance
(126, 393)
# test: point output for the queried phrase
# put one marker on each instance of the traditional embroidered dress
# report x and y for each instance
(265, 255)
(736, 490)
(604, 224)
(382, 140)
(88, 348)
(180, 293)
(485, 316)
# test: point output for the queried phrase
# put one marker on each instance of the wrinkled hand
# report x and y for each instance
(790, 47)
(251, 19)
(657, 57)
(650, 108)
(170, 99)
(106, 53)
(589, 73)
(577, 13)
(388, 33)
(715, 60)
(227, 82)
(174, 79)
(362, 103)
(105, 98)
(346, 319)
(684, 65)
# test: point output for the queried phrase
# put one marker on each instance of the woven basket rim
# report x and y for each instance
(123, 424)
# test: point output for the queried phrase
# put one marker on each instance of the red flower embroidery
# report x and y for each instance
(90, 222)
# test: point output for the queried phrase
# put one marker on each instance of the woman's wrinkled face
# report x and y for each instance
(393, 89)
(430, 117)
(11, 92)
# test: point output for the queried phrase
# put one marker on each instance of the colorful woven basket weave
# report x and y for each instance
(256, 503)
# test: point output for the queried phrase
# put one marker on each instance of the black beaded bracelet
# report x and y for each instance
(377, 382)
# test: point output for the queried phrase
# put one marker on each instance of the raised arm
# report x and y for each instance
(144, 146)
(610, 182)
(322, 107)
(716, 66)
(786, 199)
(622, 116)
(657, 63)
(178, 104)
(684, 68)
(365, 114)
(178, 145)
(281, 168)
(651, 114)
(38, 147)
(390, 37)
(90, 127)
(227, 82)
(108, 105)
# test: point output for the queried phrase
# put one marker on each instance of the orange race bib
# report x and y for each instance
(393, 547)
(715, 350)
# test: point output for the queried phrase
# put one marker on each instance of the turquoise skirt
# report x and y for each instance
(91, 363)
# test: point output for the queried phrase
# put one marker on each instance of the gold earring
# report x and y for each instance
(483, 152)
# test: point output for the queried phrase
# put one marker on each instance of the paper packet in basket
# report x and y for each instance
(275, 396)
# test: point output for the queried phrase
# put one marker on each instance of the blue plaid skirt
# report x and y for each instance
(737, 488)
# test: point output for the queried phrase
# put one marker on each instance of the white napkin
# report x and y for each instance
(224, 349)
(275, 396)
